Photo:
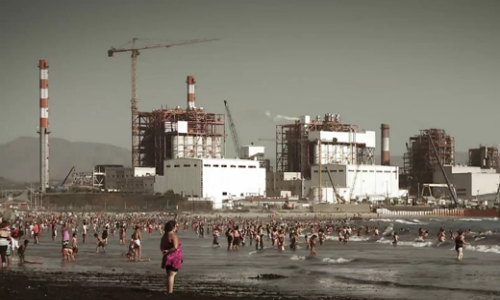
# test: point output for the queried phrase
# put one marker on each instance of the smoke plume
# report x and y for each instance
(278, 118)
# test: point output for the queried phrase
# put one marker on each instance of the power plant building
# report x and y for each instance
(323, 140)
(424, 153)
(117, 178)
(354, 183)
(470, 182)
(173, 133)
(484, 157)
(215, 180)
(327, 144)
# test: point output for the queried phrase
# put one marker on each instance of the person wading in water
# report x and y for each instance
(459, 245)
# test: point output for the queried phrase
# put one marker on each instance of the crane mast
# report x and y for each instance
(134, 101)
(236, 141)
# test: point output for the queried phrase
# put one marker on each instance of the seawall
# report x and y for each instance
(117, 202)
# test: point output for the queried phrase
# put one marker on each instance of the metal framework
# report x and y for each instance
(294, 151)
(158, 129)
(420, 160)
(484, 157)
(82, 179)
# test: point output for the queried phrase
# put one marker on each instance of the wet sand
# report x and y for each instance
(15, 285)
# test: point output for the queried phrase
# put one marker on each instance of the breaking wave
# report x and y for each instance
(336, 261)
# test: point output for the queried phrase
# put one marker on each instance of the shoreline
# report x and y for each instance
(18, 285)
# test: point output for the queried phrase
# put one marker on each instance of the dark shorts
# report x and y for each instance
(171, 269)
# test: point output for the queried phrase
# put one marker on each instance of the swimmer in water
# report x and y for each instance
(312, 245)
(74, 244)
(459, 245)
(441, 235)
(294, 237)
(322, 237)
(395, 239)
(281, 240)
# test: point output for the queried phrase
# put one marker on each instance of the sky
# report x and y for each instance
(410, 64)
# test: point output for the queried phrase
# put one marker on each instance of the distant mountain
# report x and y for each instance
(7, 184)
(20, 159)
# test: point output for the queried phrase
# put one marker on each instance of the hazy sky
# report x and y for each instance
(411, 64)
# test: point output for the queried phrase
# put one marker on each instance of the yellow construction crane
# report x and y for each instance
(134, 101)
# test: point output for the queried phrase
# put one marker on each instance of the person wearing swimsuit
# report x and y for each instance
(236, 238)
(281, 240)
(172, 253)
(312, 245)
(441, 235)
(229, 236)
(459, 245)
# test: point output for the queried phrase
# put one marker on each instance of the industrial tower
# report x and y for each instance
(44, 125)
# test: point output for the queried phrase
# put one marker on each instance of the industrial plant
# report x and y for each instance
(182, 149)
(170, 133)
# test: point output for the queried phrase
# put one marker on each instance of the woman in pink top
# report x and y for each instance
(172, 253)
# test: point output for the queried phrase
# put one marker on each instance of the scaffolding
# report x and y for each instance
(161, 136)
(82, 179)
(420, 161)
(296, 153)
(484, 157)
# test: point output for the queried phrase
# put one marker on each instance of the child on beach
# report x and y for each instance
(74, 244)
(131, 250)
(21, 251)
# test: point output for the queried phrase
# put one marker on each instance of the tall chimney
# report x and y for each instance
(44, 125)
(191, 97)
(385, 156)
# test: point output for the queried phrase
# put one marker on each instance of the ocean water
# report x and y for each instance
(367, 266)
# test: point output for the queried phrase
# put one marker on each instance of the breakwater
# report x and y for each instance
(117, 202)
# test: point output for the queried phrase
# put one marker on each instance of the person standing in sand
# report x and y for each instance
(172, 253)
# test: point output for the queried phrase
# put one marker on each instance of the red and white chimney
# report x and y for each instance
(385, 155)
(44, 125)
(191, 96)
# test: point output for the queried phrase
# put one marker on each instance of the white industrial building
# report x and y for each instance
(213, 179)
(353, 183)
(252, 152)
(469, 182)
(340, 147)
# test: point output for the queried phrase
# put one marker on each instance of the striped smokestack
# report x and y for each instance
(191, 97)
(385, 156)
(44, 125)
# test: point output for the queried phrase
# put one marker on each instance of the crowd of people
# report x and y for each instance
(15, 236)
